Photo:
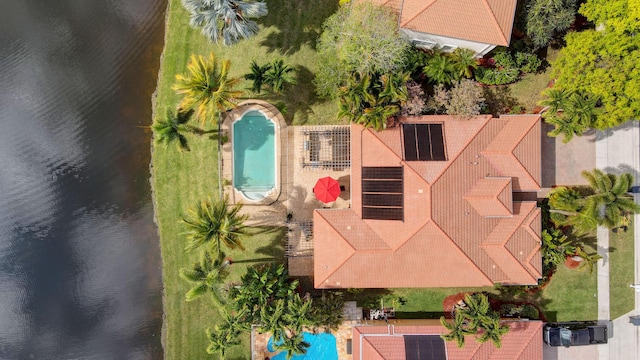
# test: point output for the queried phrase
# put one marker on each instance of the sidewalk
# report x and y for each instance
(618, 151)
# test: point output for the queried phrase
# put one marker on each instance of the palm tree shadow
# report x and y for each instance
(298, 23)
(300, 97)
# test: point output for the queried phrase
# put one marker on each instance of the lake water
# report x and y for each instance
(80, 269)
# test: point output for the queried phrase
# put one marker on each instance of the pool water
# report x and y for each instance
(323, 347)
(254, 170)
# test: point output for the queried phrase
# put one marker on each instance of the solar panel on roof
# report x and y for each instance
(424, 142)
(424, 347)
(382, 193)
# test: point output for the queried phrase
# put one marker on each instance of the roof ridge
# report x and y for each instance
(533, 213)
(525, 345)
(506, 206)
(382, 143)
(533, 123)
(487, 118)
(495, 21)
(343, 240)
(417, 13)
(373, 346)
(459, 249)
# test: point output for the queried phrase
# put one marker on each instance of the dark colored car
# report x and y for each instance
(575, 333)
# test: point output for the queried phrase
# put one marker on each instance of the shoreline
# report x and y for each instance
(154, 108)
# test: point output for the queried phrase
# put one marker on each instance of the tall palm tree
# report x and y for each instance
(556, 99)
(293, 345)
(464, 61)
(174, 128)
(354, 96)
(377, 116)
(582, 109)
(206, 275)
(564, 125)
(458, 329)
(257, 75)
(228, 20)
(477, 310)
(206, 87)
(279, 75)
(440, 69)
(214, 224)
(568, 208)
(493, 330)
(610, 199)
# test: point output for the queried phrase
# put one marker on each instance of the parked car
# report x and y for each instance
(575, 333)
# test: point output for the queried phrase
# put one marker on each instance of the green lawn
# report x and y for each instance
(181, 179)
(572, 294)
(527, 90)
(621, 267)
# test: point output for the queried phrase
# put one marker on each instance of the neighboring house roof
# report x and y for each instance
(460, 223)
(485, 21)
(522, 342)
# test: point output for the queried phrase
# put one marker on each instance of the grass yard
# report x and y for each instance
(572, 294)
(527, 90)
(621, 267)
(181, 179)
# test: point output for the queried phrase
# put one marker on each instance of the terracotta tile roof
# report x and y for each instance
(459, 214)
(486, 21)
(522, 342)
(491, 197)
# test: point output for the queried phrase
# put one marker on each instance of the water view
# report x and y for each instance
(80, 269)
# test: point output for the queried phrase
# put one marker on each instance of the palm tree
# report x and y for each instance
(566, 126)
(582, 108)
(464, 60)
(225, 19)
(206, 87)
(206, 275)
(257, 75)
(610, 200)
(298, 313)
(556, 99)
(589, 261)
(279, 75)
(567, 208)
(214, 223)
(173, 128)
(493, 330)
(440, 69)
(556, 246)
(354, 96)
(293, 345)
(457, 330)
(226, 333)
(477, 310)
(376, 117)
(273, 320)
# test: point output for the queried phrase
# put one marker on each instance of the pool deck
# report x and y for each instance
(296, 184)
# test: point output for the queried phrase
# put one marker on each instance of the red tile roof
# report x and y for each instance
(486, 21)
(461, 226)
(522, 342)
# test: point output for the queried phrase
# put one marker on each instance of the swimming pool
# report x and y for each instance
(254, 155)
(323, 347)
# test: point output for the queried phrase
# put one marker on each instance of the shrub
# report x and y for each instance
(464, 99)
(504, 60)
(496, 76)
(527, 63)
(415, 105)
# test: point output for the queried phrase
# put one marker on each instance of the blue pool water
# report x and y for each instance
(323, 347)
(254, 169)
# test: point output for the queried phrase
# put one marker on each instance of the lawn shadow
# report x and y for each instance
(420, 314)
(499, 100)
(298, 23)
(274, 250)
(299, 97)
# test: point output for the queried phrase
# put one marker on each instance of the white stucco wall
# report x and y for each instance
(448, 44)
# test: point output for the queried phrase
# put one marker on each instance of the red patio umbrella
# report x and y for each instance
(327, 189)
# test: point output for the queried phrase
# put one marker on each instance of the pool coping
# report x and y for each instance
(271, 113)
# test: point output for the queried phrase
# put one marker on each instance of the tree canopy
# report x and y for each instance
(604, 61)
(545, 18)
(361, 38)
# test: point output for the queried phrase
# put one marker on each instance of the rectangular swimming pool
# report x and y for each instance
(254, 155)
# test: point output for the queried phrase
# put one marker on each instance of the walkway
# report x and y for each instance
(618, 151)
